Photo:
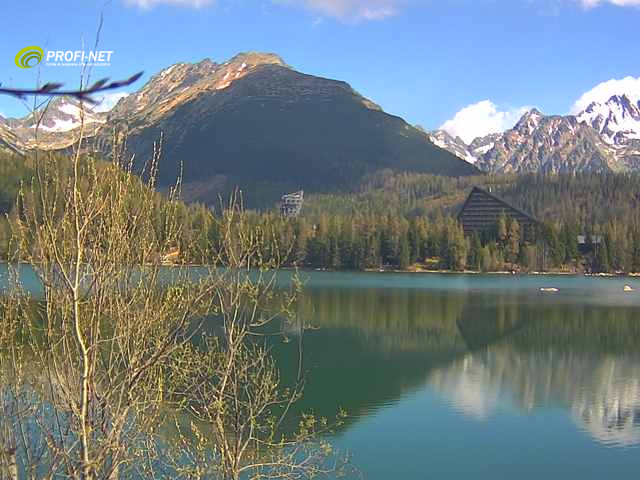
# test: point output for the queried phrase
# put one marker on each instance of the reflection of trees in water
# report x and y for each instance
(390, 320)
(374, 345)
(478, 349)
(371, 345)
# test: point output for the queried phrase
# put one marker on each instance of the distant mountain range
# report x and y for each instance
(251, 122)
(603, 137)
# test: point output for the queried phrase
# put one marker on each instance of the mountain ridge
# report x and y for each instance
(255, 123)
(605, 136)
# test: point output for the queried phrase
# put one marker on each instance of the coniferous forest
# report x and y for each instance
(409, 222)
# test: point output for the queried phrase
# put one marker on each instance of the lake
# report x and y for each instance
(473, 376)
(477, 376)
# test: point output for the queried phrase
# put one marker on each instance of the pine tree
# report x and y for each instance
(513, 245)
(502, 228)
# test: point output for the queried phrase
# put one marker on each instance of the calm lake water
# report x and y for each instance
(484, 377)
(475, 376)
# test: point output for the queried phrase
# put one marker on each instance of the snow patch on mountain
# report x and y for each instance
(484, 149)
(444, 140)
(617, 119)
(66, 115)
(628, 86)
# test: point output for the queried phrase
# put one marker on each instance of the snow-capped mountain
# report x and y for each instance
(56, 124)
(605, 136)
(472, 152)
(62, 114)
(617, 120)
(548, 144)
(455, 145)
(481, 145)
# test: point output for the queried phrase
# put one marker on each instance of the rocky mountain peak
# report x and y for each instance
(184, 81)
(617, 119)
(62, 114)
(443, 139)
(529, 122)
(605, 136)
(258, 58)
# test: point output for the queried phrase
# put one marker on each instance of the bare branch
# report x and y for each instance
(84, 94)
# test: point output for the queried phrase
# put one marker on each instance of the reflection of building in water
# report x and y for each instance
(602, 392)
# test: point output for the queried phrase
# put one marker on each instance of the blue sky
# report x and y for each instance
(424, 60)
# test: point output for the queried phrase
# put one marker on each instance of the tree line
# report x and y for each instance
(402, 221)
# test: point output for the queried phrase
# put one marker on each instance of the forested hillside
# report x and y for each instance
(408, 221)
(582, 199)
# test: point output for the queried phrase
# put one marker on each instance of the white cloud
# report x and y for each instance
(482, 118)
(602, 92)
(350, 10)
(107, 101)
(619, 3)
(146, 4)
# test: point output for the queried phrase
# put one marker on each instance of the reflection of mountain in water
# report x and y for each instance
(610, 411)
(481, 350)
(583, 360)
(601, 391)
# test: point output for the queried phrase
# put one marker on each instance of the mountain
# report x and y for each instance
(548, 144)
(255, 123)
(61, 114)
(182, 82)
(603, 137)
(57, 123)
(617, 120)
(481, 145)
(455, 145)
(9, 142)
(251, 122)
(470, 153)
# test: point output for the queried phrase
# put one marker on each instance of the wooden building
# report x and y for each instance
(482, 209)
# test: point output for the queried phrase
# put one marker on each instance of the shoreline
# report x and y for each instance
(477, 272)
(411, 270)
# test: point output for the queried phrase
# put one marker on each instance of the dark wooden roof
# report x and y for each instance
(482, 209)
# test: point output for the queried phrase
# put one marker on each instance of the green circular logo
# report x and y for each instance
(29, 57)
